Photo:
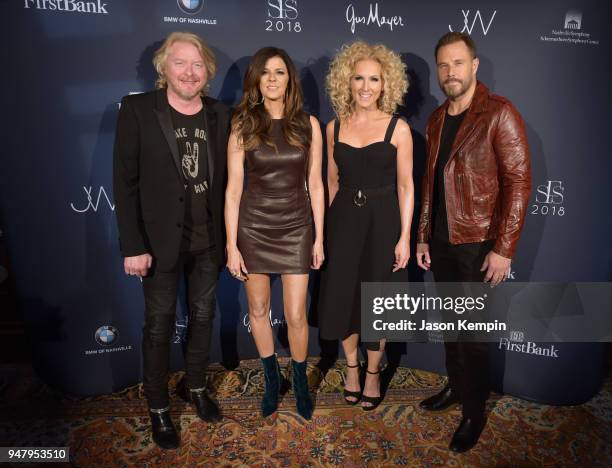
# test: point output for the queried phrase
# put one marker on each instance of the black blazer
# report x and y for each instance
(148, 183)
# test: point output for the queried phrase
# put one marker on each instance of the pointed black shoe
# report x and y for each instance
(351, 393)
(269, 402)
(206, 408)
(162, 427)
(467, 434)
(303, 401)
(440, 401)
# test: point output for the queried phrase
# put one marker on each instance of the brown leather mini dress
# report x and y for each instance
(275, 218)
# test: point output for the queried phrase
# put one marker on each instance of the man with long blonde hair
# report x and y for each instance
(169, 183)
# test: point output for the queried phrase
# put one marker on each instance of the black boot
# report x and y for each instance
(440, 401)
(468, 433)
(206, 408)
(300, 389)
(164, 432)
(269, 402)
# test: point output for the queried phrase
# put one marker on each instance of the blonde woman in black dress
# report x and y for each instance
(371, 197)
(269, 225)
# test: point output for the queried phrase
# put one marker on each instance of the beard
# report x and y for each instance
(452, 91)
(187, 94)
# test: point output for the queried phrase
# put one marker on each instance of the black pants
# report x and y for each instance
(160, 293)
(467, 364)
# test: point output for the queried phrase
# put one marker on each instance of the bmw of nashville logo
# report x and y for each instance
(106, 335)
(191, 7)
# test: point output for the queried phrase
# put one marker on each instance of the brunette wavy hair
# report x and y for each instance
(251, 121)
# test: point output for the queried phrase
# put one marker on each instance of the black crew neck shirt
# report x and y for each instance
(439, 214)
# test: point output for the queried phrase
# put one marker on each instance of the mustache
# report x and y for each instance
(453, 80)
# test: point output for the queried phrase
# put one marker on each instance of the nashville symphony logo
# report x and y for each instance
(96, 7)
(573, 19)
(572, 32)
(549, 199)
(467, 27)
(282, 16)
(90, 204)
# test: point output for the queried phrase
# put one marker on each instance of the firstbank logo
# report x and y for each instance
(469, 22)
(90, 204)
(73, 6)
(528, 348)
(191, 7)
(517, 336)
(573, 19)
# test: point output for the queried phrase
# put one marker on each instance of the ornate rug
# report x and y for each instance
(113, 430)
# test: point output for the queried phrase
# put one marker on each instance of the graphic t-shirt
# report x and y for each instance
(191, 138)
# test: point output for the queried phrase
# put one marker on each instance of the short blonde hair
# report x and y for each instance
(342, 69)
(159, 60)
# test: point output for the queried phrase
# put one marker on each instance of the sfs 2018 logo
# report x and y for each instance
(282, 16)
(549, 199)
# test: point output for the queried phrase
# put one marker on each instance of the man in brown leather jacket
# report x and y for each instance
(475, 194)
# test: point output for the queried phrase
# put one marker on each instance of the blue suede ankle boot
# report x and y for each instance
(300, 389)
(269, 402)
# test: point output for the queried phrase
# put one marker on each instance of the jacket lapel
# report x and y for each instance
(435, 130)
(210, 126)
(165, 122)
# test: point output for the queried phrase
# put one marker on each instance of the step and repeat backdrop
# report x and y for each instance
(67, 64)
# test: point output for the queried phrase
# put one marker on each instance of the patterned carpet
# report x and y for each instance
(113, 430)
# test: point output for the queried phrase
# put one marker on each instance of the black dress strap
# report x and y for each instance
(390, 129)
(336, 130)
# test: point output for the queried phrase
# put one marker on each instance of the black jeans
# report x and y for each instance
(467, 364)
(160, 293)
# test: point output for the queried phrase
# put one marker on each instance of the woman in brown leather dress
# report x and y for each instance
(269, 224)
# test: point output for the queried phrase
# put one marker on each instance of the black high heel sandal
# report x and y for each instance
(374, 401)
(350, 393)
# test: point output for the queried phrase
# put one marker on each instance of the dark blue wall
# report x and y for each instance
(65, 72)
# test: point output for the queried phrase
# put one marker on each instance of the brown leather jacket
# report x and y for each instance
(487, 177)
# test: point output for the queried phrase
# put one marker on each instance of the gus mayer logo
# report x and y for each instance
(96, 7)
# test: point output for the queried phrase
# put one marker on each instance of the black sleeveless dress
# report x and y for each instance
(275, 217)
(362, 230)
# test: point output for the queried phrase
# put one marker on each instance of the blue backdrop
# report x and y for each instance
(68, 63)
